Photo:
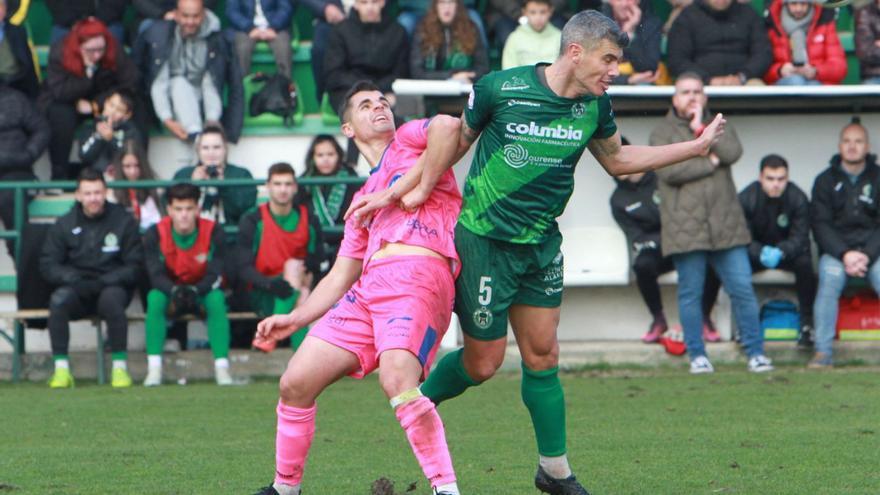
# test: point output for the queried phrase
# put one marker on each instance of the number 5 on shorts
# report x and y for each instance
(485, 291)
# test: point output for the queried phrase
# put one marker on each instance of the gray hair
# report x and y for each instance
(588, 28)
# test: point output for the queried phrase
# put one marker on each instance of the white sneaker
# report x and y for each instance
(221, 374)
(154, 377)
(760, 364)
(700, 365)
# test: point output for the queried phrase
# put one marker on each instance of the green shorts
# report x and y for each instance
(495, 274)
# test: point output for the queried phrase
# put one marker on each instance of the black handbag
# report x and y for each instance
(277, 96)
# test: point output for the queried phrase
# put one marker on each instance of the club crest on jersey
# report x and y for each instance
(578, 110)
(483, 318)
(202, 258)
(111, 243)
(782, 220)
(515, 155)
(514, 84)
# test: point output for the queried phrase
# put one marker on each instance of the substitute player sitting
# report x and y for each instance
(184, 258)
(388, 297)
(534, 123)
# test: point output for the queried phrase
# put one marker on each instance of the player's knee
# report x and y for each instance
(294, 389)
(542, 357)
(398, 374)
(481, 370)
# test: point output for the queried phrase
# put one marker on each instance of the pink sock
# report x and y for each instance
(296, 428)
(426, 435)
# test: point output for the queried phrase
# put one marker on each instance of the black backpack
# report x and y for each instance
(277, 96)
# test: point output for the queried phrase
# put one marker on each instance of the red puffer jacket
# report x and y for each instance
(823, 46)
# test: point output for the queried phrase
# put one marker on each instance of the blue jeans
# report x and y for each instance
(733, 268)
(832, 280)
(797, 80)
(871, 80)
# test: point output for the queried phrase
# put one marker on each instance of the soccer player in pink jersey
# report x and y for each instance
(388, 297)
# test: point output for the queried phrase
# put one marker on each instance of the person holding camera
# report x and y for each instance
(224, 205)
(280, 250)
(184, 258)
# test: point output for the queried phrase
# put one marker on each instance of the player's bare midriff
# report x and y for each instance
(400, 249)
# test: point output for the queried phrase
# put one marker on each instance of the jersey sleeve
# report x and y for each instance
(607, 127)
(414, 134)
(354, 238)
(478, 110)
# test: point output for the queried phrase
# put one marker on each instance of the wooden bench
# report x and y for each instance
(15, 326)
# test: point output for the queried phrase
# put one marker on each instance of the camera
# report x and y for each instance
(212, 170)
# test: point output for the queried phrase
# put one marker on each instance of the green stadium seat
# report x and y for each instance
(50, 206)
(39, 21)
(328, 114)
(8, 283)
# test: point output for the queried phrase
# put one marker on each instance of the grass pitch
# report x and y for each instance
(630, 432)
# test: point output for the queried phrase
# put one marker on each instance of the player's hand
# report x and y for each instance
(646, 77)
(105, 130)
(414, 198)
(364, 207)
(175, 127)
(278, 327)
(711, 134)
(84, 106)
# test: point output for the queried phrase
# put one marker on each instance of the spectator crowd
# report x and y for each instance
(108, 83)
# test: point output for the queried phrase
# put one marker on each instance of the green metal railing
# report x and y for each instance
(19, 188)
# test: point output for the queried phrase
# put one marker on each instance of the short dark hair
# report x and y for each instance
(588, 28)
(345, 107)
(125, 95)
(281, 168)
(689, 74)
(89, 174)
(182, 191)
(214, 129)
(773, 161)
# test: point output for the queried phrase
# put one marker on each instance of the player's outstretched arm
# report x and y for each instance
(341, 277)
(621, 160)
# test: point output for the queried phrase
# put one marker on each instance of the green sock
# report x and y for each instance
(60, 357)
(543, 396)
(155, 323)
(448, 379)
(119, 356)
(217, 323)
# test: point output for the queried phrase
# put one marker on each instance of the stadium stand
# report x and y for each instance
(596, 269)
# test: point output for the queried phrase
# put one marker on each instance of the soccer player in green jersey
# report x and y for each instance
(534, 123)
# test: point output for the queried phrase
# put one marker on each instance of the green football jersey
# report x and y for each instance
(522, 173)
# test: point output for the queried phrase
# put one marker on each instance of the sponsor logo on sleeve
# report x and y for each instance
(514, 84)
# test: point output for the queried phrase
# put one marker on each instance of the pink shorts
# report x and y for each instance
(400, 302)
